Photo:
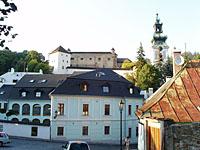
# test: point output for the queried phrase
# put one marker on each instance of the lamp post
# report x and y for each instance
(121, 104)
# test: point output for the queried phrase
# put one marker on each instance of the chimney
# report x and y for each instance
(178, 61)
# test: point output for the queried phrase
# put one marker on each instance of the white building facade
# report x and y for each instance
(86, 107)
(60, 59)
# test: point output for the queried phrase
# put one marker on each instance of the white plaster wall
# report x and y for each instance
(60, 61)
(73, 120)
(25, 130)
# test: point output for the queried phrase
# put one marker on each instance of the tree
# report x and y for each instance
(127, 64)
(6, 60)
(32, 65)
(44, 66)
(149, 77)
(5, 30)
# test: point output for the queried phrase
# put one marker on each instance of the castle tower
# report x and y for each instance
(59, 59)
(160, 47)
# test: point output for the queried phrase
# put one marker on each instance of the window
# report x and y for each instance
(36, 110)
(90, 58)
(107, 130)
(60, 131)
(23, 94)
(63, 60)
(85, 109)
(84, 87)
(16, 108)
(129, 109)
(25, 120)
(63, 67)
(137, 106)
(2, 92)
(129, 132)
(5, 106)
(72, 58)
(131, 90)
(85, 130)
(42, 81)
(81, 58)
(107, 109)
(0, 105)
(36, 121)
(60, 109)
(31, 81)
(15, 81)
(108, 58)
(15, 120)
(38, 94)
(99, 59)
(136, 131)
(47, 110)
(105, 89)
(26, 109)
(46, 122)
(34, 131)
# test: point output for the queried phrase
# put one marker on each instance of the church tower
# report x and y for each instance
(160, 47)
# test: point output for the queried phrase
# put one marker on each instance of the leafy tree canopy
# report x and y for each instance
(149, 76)
(31, 61)
(7, 7)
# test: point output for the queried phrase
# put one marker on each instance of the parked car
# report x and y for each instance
(76, 145)
(4, 138)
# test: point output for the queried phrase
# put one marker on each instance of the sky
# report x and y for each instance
(99, 25)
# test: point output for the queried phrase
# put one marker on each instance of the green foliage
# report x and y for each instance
(131, 77)
(127, 64)
(44, 66)
(31, 61)
(190, 56)
(7, 6)
(140, 54)
(32, 64)
(6, 60)
(148, 76)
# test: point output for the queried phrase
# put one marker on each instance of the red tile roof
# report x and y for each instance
(178, 99)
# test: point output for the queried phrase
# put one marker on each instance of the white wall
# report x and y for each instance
(59, 61)
(73, 119)
(25, 130)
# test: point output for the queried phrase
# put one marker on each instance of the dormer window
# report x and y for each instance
(42, 81)
(105, 89)
(23, 94)
(131, 90)
(38, 94)
(2, 92)
(84, 87)
(31, 81)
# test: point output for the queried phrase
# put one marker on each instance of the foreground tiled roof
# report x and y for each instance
(178, 99)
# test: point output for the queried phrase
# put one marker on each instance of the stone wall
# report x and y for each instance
(185, 136)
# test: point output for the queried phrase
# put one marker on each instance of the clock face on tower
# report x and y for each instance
(179, 60)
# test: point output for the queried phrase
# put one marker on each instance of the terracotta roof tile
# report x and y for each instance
(178, 99)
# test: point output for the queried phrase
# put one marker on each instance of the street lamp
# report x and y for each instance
(121, 104)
